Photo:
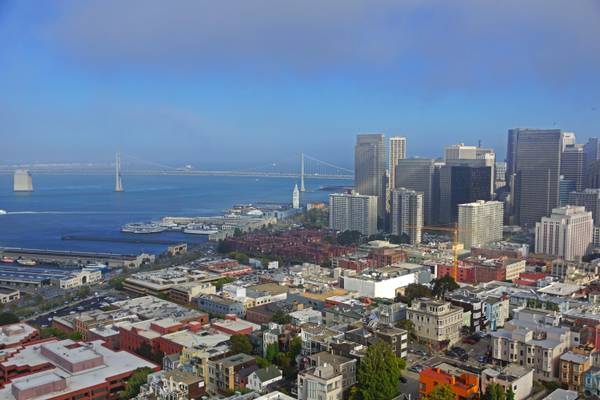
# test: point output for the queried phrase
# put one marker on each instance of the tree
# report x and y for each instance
(224, 247)
(407, 325)
(443, 285)
(8, 318)
(349, 238)
(281, 318)
(272, 351)
(222, 281)
(415, 291)
(494, 392)
(60, 334)
(510, 394)
(240, 257)
(295, 347)
(137, 379)
(116, 282)
(441, 392)
(379, 373)
(262, 362)
(240, 344)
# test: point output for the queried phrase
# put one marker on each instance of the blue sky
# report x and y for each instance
(246, 82)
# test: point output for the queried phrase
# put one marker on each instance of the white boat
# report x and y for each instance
(26, 262)
(141, 227)
(3, 212)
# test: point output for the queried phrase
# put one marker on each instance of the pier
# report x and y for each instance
(77, 257)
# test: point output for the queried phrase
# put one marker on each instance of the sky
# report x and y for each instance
(248, 82)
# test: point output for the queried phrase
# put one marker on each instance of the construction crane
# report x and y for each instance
(454, 230)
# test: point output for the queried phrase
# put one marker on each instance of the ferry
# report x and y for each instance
(200, 229)
(7, 260)
(3, 212)
(26, 262)
(143, 228)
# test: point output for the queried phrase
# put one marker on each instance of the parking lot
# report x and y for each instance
(91, 303)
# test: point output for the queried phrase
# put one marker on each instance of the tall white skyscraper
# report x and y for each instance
(480, 222)
(353, 212)
(397, 152)
(407, 214)
(296, 197)
(566, 233)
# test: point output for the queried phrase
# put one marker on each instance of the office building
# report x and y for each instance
(369, 168)
(565, 187)
(397, 153)
(572, 165)
(590, 199)
(407, 214)
(353, 212)
(567, 233)
(536, 156)
(462, 182)
(419, 174)
(480, 223)
(436, 322)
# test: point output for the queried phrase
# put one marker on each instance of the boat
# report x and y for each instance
(7, 260)
(201, 229)
(142, 228)
(26, 262)
(3, 212)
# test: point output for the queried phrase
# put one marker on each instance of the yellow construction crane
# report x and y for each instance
(454, 230)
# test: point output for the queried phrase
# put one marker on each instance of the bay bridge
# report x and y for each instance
(305, 167)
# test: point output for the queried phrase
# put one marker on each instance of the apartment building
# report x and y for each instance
(341, 365)
(436, 322)
(353, 212)
(566, 233)
(224, 374)
(320, 383)
(573, 366)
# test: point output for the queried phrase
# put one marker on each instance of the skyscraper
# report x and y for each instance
(353, 212)
(397, 152)
(467, 176)
(590, 199)
(407, 214)
(566, 233)
(418, 174)
(369, 168)
(480, 223)
(537, 168)
(591, 152)
(572, 164)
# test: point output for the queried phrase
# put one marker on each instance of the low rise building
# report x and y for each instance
(341, 365)
(219, 305)
(320, 383)
(306, 315)
(262, 379)
(184, 293)
(174, 384)
(573, 366)
(86, 276)
(66, 369)
(233, 326)
(514, 377)
(8, 295)
(17, 335)
(380, 283)
(436, 322)
(464, 386)
(224, 374)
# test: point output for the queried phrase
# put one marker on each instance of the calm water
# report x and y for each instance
(87, 205)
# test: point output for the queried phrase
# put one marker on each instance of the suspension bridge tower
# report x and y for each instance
(302, 188)
(118, 178)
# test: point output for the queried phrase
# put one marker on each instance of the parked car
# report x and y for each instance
(403, 379)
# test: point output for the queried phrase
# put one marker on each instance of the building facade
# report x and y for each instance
(407, 214)
(480, 223)
(567, 233)
(369, 168)
(418, 174)
(353, 212)
(436, 322)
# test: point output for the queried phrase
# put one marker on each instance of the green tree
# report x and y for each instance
(240, 344)
(443, 285)
(60, 334)
(272, 351)
(239, 257)
(116, 282)
(8, 318)
(494, 392)
(441, 392)
(295, 347)
(349, 238)
(510, 394)
(415, 291)
(222, 281)
(407, 325)
(379, 373)
(280, 317)
(137, 379)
